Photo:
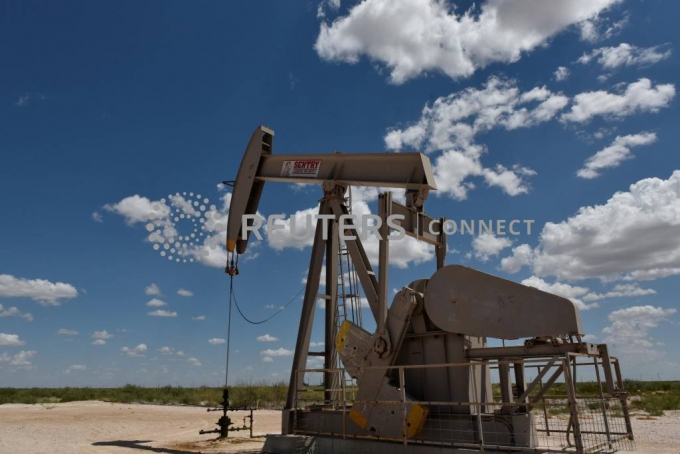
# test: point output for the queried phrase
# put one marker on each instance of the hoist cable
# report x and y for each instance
(238, 308)
(232, 300)
(231, 292)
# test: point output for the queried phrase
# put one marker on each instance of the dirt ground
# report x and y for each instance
(99, 427)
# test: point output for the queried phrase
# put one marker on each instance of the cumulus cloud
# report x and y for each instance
(452, 123)
(198, 318)
(278, 352)
(412, 37)
(562, 73)
(522, 255)
(98, 342)
(403, 252)
(487, 245)
(44, 292)
(161, 218)
(137, 209)
(635, 235)
(269, 354)
(194, 362)
(75, 367)
(152, 289)
(184, 292)
(626, 55)
(325, 5)
(620, 291)
(14, 312)
(11, 340)
(295, 231)
(638, 97)
(67, 332)
(572, 293)
(20, 359)
(216, 341)
(614, 154)
(101, 335)
(629, 332)
(139, 350)
(162, 313)
(598, 28)
(267, 338)
(156, 303)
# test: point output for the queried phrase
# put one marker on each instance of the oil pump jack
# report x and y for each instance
(424, 377)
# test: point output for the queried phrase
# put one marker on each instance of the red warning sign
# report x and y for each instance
(303, 168)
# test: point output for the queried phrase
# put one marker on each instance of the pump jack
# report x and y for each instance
(424, 376)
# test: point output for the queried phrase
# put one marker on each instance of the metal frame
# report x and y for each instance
(447, 317)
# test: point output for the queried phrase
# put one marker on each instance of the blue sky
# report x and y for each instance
(107, 108)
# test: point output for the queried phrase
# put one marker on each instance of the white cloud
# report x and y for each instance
(11, 340)
(14, 312)
(295, 231)
(216, 341)
(599, 29)
(184, 292)
(278, 352)
(152, 289)
(77, 367)
(614, 154)
(20, 359)
(29, 98)
(160, 216)
(317, 344)
(267, 338)
(411, 37)
(139, 350)
(67, 332)
(97, 217)
(628, 332)
(198, 318)
(570, 292)
(333, 5)
(267, 359)
(635, 235)
(620, 291)
(166, 351)
(638, 96)
(194, 362)
(101, 335)
(402, 252)
(522, 255)
(156, 303)
(99, 342)
(453, 122)
(562, 73)
(138, 209)
(40, 290)
(162, 313)
(626, 55)
(487, 245)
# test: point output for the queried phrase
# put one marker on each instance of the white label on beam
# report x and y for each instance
(302, 168)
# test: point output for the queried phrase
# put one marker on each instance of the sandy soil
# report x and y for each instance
(99, 427)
